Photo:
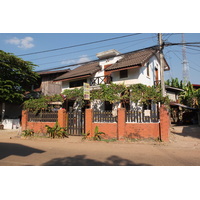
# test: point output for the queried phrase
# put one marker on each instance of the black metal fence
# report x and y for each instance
(76, 122)
(43, 116)
(142, 116)
(103, 116)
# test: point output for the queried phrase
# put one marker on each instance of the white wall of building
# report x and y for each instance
(139, 74)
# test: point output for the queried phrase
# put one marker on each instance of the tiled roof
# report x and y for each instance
(136, 58)
(83, 70)
(133, 59)
(54, 72)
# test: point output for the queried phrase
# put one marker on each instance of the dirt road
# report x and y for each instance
(183, 149)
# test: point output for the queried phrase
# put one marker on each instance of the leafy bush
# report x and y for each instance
(56, 131)
(42, 103)
(85, 135)
(97, 134)
(28, 133)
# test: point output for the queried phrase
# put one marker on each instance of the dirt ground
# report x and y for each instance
(183, 149)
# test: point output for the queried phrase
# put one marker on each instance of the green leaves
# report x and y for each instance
(42, 103)
(111, 92)
(56, 131)
(119, 92)
(16, 77)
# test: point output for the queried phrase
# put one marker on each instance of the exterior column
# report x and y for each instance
(88, 121)
(24, 119)
(121, 123)
(164, 123)
(62, 119)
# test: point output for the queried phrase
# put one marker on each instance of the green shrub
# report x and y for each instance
(28, 133)
(56, 131)
(97, 134)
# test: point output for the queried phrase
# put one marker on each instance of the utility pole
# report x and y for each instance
(162, 80)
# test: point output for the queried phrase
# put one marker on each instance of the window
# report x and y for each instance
(77, 83)
(124, 73)
(148, 74)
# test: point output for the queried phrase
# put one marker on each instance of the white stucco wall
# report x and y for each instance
(139, 74)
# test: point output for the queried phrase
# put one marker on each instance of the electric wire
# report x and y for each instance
(92, 61)
(78, 45)
(181, 60)
(93, 54)
(90, 49)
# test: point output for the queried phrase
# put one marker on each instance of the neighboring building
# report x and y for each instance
(47, 85)
(196, 86)
(173, 93)
(140, 66)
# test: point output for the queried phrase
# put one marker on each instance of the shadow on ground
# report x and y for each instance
(7, 149)
(81, 160)
(191, 131)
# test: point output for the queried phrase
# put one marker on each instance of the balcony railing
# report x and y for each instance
(100, 80)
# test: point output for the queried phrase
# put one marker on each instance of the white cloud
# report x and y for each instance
(25, 43)
(83, 58)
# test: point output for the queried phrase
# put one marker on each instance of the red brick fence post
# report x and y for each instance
(121, 117)
(62, 118)
(164, 123)
(88, 121)
(24, 119)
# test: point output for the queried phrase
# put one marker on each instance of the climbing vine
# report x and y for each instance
(42, 103)
(119, 92)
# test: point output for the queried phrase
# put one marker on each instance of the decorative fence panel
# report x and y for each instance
(103, 116)
(142, 116)
(43, 116)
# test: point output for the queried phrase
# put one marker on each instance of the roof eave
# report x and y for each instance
(72, 78)
(124, 68)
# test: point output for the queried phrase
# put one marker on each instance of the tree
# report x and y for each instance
(16, 77)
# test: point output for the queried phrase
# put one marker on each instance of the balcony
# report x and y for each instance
(100, 80)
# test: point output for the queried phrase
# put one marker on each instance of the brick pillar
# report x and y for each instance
(164, 123)
(121, 123)
(88, 121)
(62, 121)
(24, 119)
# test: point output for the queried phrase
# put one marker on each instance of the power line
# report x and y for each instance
(90, 49)
(181, 60)
(78, 45)
(92, 54)
(92, 61)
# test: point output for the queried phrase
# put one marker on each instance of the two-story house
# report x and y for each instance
(141, 66)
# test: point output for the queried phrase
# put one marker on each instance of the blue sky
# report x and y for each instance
(23, 43)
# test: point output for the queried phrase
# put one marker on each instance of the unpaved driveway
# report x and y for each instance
(183, 149)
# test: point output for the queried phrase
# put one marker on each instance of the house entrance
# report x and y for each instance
(76, 122)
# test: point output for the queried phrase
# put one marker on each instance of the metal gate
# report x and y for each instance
(76, 122)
